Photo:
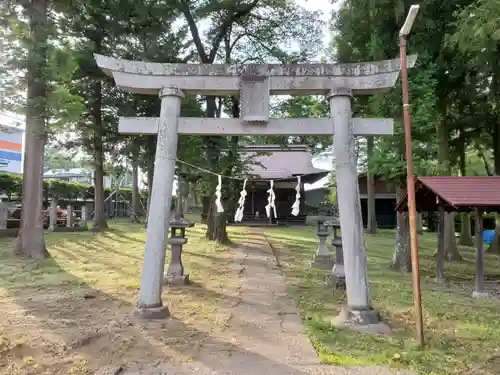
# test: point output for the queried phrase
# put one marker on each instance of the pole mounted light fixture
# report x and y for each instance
(410, 184)
(410, 19)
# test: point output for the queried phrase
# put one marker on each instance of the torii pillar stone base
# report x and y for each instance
(360, 321)
(160, 312)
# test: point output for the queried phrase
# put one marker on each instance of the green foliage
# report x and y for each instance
(446, 94)
(59, 65)
(477, 37)
(11, 187)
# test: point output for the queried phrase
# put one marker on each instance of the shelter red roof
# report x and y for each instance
(455, 193)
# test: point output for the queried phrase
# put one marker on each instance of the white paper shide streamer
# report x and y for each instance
(270, 201)
(296, 204)
(238, 216)
(218, 195)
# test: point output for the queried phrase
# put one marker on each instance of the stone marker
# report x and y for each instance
(84, 218)
(339, 81)
(70, 220)
(322, 259)
(175, 272)
(53, 215)
(4, 215)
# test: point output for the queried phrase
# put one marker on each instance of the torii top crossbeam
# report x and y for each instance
(218, 79)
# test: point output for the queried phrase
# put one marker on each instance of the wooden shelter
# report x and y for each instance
(476, 194)
(282, 164)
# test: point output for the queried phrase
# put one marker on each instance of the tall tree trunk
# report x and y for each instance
(213, 158)
(372, 215)
(450, 244)
(180, 194)
(401, 258)
(135, 190)
(495, 245)
(450, 239)
(99, 196)
(465, 230)
(100, 217)
(30, 241)
(217, 226)
(221, 235)
(440, 252)
(191, 196)
(196, 202)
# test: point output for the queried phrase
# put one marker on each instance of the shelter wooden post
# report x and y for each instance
(479, 292)
(440, 245)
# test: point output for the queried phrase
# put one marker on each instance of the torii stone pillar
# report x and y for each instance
(150, 304)
(359, 310)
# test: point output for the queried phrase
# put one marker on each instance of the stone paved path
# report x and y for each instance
(265, 334)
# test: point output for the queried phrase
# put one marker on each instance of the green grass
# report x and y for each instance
(462, 333)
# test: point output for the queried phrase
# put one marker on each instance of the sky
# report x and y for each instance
(326, 7)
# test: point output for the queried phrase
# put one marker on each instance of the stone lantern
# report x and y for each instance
(322, 259)
(175, 272)
(338, 273)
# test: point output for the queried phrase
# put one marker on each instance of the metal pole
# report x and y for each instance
(415, 267)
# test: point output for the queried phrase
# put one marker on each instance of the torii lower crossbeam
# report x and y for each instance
(235, 126)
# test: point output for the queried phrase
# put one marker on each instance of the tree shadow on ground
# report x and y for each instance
(71, 324)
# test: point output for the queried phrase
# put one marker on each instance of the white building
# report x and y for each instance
(83, 176)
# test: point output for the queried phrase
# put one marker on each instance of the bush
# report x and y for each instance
(11, 185)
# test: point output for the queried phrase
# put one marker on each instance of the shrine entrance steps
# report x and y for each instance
(264, 335)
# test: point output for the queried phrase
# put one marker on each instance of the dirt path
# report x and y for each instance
(262, 333)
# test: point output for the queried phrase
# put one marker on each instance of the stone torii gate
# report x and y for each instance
(255, 83)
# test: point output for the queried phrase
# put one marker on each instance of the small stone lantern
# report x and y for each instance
(338, 273)
(175, 272)
(322, 259)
